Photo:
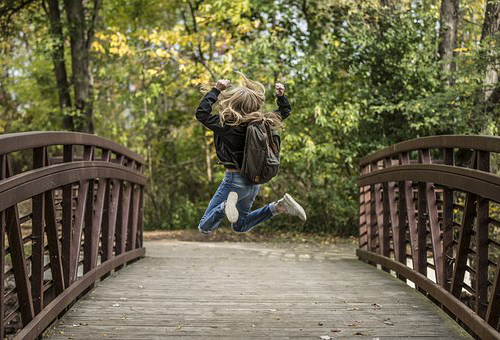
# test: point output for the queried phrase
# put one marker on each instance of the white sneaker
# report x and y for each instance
(291, 207)
(230, 208)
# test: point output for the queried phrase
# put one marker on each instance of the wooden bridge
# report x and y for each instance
(75, 267)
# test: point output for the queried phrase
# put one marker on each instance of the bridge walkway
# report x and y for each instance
(252, 291)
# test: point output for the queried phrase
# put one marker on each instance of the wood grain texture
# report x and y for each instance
(252, 291)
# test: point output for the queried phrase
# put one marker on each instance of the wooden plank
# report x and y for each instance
(448, 225)
(211, 295)
(430, 198)
(19, 265)
(67, 220)
(481, 242)
(37, 238)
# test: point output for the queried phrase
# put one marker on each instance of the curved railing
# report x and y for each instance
(70, 213)
(430, 213)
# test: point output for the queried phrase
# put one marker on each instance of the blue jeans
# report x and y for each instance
(247, 192)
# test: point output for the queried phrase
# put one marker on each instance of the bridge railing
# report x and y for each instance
(430, 212)
(70, 212)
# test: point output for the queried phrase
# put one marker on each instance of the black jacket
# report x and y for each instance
(230, 140)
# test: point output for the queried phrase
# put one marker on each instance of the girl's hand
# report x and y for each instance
(280, 89)
(222, 84)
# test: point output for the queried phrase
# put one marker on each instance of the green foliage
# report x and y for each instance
(359, 78)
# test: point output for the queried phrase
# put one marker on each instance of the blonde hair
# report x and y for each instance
(241, 104)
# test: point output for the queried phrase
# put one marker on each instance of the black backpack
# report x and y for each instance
(261, 157)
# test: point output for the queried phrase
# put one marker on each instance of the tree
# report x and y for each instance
(448, 29)
(58, 60)
(491, 91)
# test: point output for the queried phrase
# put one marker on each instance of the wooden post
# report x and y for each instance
(448, 225)
(37, 237)
(482, 219)
(2, 252)
(67, 219)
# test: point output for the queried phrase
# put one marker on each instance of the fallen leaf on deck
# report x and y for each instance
(354, 308)
(376, 305)
(273, 310)
(325, 337)
(335, 330)
(320, 323)
(389, 323)
(360, 333)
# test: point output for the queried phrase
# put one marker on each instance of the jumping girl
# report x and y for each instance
(238, 107)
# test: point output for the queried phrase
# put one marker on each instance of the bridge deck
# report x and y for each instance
(242, 290)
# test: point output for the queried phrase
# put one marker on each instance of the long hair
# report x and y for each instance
(242, 104)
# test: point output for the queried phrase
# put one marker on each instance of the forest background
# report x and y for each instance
(360, 75)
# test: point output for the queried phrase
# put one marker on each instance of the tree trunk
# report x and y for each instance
(491, 90)
(81, 35)
(448, 37)
(59, 63)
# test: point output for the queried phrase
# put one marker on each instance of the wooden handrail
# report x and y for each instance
(80, 206)
(402, 198)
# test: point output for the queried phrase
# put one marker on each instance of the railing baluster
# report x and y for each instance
(37, 238)
(19, 265)
(53, 244)
(362, 243)
(121, 237)
(398, 230)
(102, 190)
(88, 155)
(493, 311)
(431, 206)
(131, 242)
(448, 225)
(140, 221)
(366, 200)
(383, 232)
(67, 220)
(2, 252)
(406, 191)
(463, 244)
(482, 219)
